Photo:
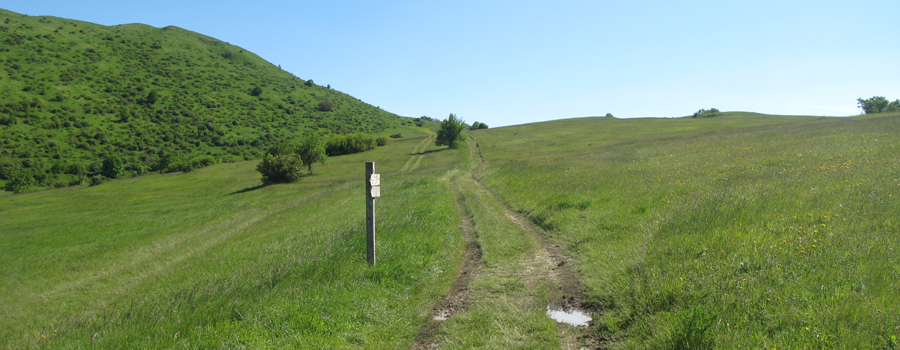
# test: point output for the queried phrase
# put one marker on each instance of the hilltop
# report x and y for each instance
(76, 92)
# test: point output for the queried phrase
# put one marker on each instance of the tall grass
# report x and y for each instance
(741, 231)
(212, 259)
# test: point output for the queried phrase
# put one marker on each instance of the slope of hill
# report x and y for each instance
(75, 92)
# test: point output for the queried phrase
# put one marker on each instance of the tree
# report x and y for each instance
(312, 150)
(113, 166)
(256, 91)
(878, 104)
(451, 132)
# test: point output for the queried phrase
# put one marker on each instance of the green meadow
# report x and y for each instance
(210, 259)
(739, 231)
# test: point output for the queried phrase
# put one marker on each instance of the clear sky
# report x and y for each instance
(513, 62)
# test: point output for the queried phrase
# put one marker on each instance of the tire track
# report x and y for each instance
(417, 155)
(542, 269)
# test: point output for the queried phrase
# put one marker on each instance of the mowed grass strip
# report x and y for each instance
(742, 231)
(212, 259)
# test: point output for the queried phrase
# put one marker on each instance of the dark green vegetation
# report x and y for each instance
(702, 113)
(285, 162)
(451, 132)
(353, 143)
(478, 126)
(878, 104)
(76, 93)
(741, 231)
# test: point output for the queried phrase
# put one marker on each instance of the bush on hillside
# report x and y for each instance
(285, 168)
(19, 181)
(325, 106)
(113, 167)
(349, 144)
(8, 120)
(96, 180)
(381, 140)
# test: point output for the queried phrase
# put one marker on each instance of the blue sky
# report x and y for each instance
(516, 62)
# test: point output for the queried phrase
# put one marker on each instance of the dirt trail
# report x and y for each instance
(457, 298)
(544, 269)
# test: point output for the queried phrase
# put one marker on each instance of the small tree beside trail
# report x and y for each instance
(312, 150)
(451, 132)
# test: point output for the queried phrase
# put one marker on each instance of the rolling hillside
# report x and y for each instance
(742, 231)
(74, 93)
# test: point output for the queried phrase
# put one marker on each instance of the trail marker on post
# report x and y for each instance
(373, 190)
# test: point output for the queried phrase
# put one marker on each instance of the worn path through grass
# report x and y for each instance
(517, 277)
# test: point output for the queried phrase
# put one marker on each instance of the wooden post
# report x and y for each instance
(370, 214)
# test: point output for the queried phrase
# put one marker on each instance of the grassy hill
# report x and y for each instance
(739, 231)
(75, 92)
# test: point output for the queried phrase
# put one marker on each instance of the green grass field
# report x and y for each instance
(740, 231)
(744, 231)
(209, 259)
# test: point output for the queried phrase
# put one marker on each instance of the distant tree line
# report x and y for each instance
(878, 104)
(478, 126)
(706, 113)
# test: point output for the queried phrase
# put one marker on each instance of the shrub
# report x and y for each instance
(96, 180)
(8, 120)
(282, 148)
(397, 136)
(256, 91)
(7, 170)
(381, 140)
(77, 181)
(19, 181)
(348, 144)
(284, 168)
(203, 161)
(113, 167)
(325, 106)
